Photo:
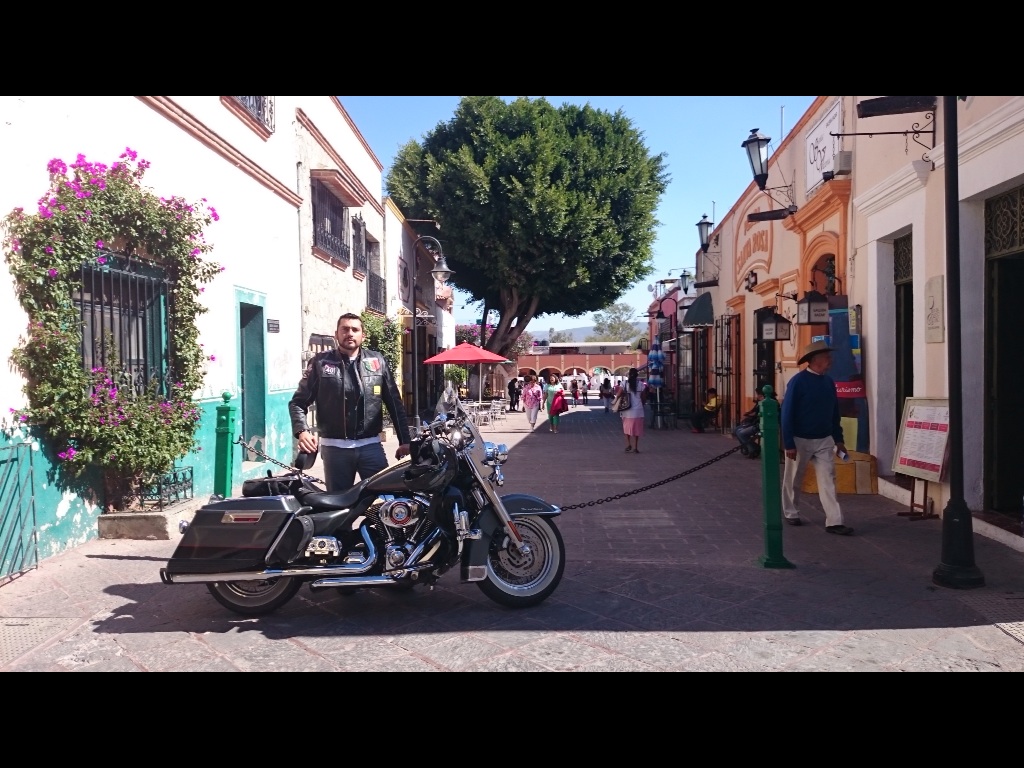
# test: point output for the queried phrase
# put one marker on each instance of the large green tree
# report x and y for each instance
(617, 323)
(543, 209)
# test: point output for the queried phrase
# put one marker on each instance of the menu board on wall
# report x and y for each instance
(923, 440)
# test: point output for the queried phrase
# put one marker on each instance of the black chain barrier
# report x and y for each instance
(262, 455)
(581, 505)
(635, 491)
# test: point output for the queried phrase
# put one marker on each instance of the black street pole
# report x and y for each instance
(415, 363)
(441, 273)
(957, 569)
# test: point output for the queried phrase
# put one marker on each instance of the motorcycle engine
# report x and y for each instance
(400, 521)
(400, 513)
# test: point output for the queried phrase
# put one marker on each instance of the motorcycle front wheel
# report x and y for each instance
(254, 598)
(520, 581)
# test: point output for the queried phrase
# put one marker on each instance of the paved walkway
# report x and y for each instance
(663, 580)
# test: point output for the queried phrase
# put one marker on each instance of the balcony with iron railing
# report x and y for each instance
(331, 246)
(360, 258)
(328, 224)
(376, 293)
(260, 108)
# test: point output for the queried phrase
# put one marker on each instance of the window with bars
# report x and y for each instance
(1004, 223)
(124, 319)
(359, 260)
(330, 222)
(903, 259)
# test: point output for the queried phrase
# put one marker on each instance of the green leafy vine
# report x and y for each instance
(95, 216)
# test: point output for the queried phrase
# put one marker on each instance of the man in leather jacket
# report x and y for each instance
(348, 384)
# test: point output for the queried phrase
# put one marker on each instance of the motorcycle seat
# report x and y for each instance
(326, 502)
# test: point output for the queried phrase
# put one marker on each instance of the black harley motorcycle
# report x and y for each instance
(407, 525)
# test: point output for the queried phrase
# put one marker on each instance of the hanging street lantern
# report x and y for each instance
(812, 309)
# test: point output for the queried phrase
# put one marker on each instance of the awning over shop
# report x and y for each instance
(700, 312)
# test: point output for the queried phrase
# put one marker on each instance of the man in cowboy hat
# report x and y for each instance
(812, 431)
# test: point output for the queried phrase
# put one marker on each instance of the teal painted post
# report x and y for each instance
(771, 488)
(224, 470)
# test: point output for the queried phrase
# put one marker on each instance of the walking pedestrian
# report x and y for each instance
(812, 431)
(349, 385)
(513, 394)
(554, 386)
(607, 392)
(585, 391)
(533, 396)
(633, 417)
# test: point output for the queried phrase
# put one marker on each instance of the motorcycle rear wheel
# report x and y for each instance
(516, 581)
(254, 598)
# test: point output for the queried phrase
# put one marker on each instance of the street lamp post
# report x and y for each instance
(441, 272)
(957, 569)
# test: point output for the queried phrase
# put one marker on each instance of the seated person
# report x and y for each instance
(749, 425)
(700, 418)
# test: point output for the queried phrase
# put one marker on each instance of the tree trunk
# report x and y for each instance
(122, 492)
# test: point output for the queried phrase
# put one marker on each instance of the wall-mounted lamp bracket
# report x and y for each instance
(917, 130)
(790, 196)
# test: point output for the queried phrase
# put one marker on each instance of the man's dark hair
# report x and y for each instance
(349, 316)
(712, 391)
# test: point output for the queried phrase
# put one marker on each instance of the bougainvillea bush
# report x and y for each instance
(99, 215)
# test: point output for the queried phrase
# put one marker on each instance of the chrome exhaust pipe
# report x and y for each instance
(347, 569)
(353, 581)
(369, 581)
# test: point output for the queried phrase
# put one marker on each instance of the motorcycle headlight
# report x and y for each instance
(495, 453)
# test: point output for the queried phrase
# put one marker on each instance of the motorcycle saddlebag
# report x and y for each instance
(233, 534)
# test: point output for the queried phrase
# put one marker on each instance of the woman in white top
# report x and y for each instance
(633, 417)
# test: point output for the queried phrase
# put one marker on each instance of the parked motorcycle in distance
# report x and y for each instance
(409, 524)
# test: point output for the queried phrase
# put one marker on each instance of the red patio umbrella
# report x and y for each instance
(466, 354)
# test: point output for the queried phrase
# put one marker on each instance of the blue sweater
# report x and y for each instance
(810, 409)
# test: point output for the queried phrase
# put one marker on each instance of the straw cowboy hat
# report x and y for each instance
(812, 349)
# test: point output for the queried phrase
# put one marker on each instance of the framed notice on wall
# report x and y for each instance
(923, 440)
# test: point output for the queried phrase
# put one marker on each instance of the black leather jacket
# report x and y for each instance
(348, 397)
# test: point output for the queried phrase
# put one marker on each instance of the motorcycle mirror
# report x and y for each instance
(304, 461)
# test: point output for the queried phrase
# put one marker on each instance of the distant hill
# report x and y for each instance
(581, 333)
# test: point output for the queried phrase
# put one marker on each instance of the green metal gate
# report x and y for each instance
(19, 544)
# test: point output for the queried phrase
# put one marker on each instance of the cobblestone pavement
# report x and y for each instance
(668, 579)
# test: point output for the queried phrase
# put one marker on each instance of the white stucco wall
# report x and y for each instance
(329, 291)
(255, 239)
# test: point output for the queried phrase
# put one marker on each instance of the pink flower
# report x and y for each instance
(51, 272)
(99, 243)
(213, 358)
(101, 260)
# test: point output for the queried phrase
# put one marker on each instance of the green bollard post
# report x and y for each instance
(771, 488)
(224, 470)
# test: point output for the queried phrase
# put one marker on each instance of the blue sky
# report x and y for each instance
(700, 136)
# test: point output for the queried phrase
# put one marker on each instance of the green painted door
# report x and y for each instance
(253, 375)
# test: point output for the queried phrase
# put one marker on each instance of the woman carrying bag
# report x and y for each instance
(553, 388)
(633, 416)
